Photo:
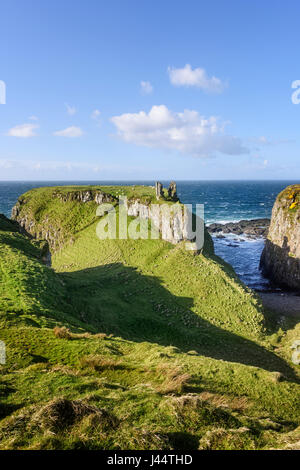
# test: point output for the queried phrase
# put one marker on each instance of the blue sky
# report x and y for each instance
(215, 102)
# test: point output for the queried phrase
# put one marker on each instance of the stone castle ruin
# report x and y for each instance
(172, 191)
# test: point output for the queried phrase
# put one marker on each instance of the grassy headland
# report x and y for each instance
(126, 344)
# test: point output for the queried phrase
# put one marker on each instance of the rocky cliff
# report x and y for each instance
(48, 213)
(34, 222)
(280, 260)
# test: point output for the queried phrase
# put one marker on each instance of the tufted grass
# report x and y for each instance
(171, 347)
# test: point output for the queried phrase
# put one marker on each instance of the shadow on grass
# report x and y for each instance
(183, 440)
(8, 409)
(37, 359)
(20, 243)
(117, 299)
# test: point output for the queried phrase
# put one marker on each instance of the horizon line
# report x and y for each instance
(139, 180)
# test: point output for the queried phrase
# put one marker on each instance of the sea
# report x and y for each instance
(224, 201)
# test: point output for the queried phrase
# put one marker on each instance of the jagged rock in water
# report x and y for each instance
(158, 190)
(172, 191)
(280, 260)
(251, 228)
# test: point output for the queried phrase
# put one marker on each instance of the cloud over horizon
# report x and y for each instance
(198, 78)
(187, 132)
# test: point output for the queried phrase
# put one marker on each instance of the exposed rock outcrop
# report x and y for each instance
(168, 220)
(8, 225)
(81, 196)
(86, 196)
(251, 228)
(172, 191)
(159, 190)
(47, 230)
(280, 260)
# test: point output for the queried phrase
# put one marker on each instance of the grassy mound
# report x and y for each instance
(169, 348)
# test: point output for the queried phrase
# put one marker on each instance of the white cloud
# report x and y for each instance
(71, 110)
(146, 88)
(72, 131)
(187, 132)
(95, 114)
(33, 118)
(23, 131)
(186, 76)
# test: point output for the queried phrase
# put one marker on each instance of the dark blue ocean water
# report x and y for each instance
(224, 201)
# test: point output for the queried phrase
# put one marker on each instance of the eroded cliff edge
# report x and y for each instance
(280, 260)
(59, 214)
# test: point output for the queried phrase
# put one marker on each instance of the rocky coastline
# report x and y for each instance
(284, 302)
(255, 228)
(287, 302)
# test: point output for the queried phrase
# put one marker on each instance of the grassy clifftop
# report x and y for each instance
(202, 284)
(292, 194)
(59, 213)
(154, 347)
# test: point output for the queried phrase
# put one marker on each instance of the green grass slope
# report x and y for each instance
(163, 349)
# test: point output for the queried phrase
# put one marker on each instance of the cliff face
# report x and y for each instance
(57, 214)
(42, 225)
(280, 260)
(171, 224)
